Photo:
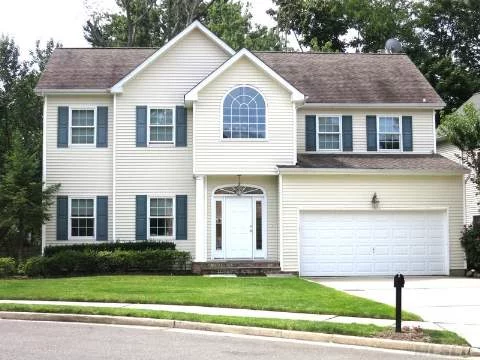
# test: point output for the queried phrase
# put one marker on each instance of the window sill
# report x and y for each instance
(161, 238)
(227, 140)
(161, 145)
(84, 238)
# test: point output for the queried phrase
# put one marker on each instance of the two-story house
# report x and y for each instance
(323, 163)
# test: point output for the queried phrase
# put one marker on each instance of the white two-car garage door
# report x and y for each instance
(353, 243)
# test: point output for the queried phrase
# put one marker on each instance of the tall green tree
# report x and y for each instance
(22, 201)
(152, 23)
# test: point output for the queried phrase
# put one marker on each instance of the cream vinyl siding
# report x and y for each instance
(422, 123)
(354, 192)
(81, 171)
(215, 155)
(270, 185)
(165, 169)
(471, 199)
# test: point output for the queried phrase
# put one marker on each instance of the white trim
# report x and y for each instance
(221, 116)
(44, 164)
(45, 92)
(82, 197)
(194, 115)
(174, 220)
(280, 221)
(294, 132)
(174, 121)
(192, 95)
(339, 171)
(400, 134)
(435, 106)
(434, 133)
(70, 126)
(114, 170)
(200, 223)
(256, 254)
(340, 135)
(118, 87)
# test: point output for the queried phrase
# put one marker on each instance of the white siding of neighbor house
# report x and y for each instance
(422, 123)
(81, 171)
(163, 170)
(215, 155)
(270, 185)
(471, 198)
(354, 192)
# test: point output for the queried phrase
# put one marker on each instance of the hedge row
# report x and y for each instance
(470, 240)
(134, 246)
(72, 262)
(8, 267)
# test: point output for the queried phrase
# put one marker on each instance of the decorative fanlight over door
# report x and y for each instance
(239, 190)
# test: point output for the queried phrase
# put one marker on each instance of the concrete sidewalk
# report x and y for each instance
(203, 310)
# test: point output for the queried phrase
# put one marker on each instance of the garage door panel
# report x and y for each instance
(372, 243)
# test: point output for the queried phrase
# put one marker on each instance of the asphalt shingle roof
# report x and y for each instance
(92, 68)
(427, 162)
(322, 77)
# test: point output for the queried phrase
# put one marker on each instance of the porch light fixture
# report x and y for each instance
(238, 188)
(375, 202)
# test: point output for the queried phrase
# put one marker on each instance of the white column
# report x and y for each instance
(200, 246)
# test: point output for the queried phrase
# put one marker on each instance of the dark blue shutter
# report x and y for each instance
(102, 218)
(141, 126)
(62, 218)
(180, 126)
(407, 133)
(347, 134)
(371, 133)
(62, 127)
(181, 217)
(102, 126)
(311, 133)
(141, 218)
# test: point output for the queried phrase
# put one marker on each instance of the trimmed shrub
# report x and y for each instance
(135, 246)
(71, 262)
(470, 240)
(7, 267)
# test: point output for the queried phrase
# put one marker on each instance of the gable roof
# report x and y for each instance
(107, 69)
(339, 78)
(192, 95)
(194, 25)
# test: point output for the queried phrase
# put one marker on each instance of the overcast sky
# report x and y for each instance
(62, 20)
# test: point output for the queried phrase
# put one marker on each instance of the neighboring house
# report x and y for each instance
(323, 163)
(445, 148)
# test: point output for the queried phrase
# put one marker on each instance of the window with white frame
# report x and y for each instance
(161, 126)
(161, 217)
(82, 218)
(244, 114)
(389, 133)
(83, 126)
(329, 132)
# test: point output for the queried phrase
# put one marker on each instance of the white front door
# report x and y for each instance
(239, 227)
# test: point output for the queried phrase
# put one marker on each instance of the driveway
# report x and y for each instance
(452, 303)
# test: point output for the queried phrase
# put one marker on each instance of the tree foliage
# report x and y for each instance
(23, 202)
(440, 36)
(152, 23)
(462, 129)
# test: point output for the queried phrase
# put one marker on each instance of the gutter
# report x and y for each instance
(434, 106)
(338, 171)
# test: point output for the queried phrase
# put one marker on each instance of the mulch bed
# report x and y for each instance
(408, 333)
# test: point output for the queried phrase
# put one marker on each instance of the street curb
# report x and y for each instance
(452, 350)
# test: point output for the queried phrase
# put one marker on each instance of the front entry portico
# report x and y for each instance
(239, 223)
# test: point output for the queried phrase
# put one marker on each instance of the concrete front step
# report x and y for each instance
(259, 268)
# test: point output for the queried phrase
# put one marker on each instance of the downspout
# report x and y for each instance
(44, 164)
(114, 170)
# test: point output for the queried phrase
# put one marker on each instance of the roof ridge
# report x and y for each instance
(323, 53)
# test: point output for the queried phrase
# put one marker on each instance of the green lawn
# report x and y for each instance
(439, 337)
(281, 294)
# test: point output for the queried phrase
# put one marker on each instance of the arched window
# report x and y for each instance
(239, 190)
(244, 114)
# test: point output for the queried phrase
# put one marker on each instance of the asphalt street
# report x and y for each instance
(28, 340)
